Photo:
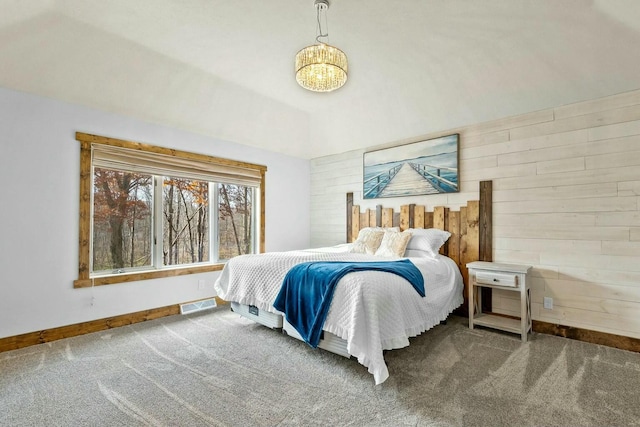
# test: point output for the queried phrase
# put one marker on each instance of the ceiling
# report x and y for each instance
(224, 68)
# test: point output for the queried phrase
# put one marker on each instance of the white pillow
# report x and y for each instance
(428, 240)
(415, 253)
(368, 241)
(393, 244)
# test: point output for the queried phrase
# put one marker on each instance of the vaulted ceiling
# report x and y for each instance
(224, 68)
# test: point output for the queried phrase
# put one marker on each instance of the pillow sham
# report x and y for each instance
(368, 241)
(393, 244)
(428, 240)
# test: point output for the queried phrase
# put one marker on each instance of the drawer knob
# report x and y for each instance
(495, 280)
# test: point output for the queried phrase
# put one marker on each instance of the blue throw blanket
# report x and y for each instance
(307, 290)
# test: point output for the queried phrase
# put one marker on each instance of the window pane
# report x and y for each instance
(185, 221)
(235, 220)
(122, 221)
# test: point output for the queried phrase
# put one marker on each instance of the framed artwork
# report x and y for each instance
(424, 167)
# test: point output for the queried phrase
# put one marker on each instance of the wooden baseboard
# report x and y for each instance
(579, 334)
(586, 335)
(54, 334)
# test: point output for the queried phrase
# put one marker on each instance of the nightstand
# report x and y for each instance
(508, 277)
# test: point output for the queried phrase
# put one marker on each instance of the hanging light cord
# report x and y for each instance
(320, 35)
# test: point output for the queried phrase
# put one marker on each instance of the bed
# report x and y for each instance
(374, 311)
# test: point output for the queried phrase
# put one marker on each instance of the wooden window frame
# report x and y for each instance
(84, 279)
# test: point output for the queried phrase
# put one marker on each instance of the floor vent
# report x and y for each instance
(192, 307)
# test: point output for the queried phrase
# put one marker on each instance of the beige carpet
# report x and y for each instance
(214, 368)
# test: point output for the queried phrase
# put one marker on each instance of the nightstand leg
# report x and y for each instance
(524, 320)
(472, 303)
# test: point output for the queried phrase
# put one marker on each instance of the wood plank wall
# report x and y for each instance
(470, 228)
(566, 200)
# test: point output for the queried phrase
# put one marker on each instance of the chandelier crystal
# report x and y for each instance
(321, 67)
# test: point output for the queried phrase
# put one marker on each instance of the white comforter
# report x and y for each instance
(371, 310)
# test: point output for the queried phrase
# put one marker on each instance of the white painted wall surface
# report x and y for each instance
(39, 178)
(566, 200)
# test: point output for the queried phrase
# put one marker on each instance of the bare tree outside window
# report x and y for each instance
(235, 227)
(122, 225)
(185, 205)
(123, 221)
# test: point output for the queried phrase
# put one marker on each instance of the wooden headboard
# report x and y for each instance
(470, 228)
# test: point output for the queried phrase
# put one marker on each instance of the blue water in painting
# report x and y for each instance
(381, 170)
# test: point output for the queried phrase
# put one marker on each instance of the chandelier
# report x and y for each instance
(321, 67)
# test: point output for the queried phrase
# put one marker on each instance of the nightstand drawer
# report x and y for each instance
(495, 278)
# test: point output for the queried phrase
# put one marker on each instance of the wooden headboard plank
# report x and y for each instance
(372, 217)
(404, 217)
(428, 220)
(412, 216)
(472, 249)
(355, 224)
(454, 242)
(471, 241)
(440, 217)
(396, 219)
(418, 216)
(486, 236)
(463, 242)
(486, 221)
(379, 216)
(470, 227)
(387, 217)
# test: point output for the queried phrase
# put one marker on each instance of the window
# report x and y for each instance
(149, 212)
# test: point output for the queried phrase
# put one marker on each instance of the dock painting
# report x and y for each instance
(424, 167)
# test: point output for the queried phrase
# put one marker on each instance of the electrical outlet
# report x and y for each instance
(200, 284)
(548, 303)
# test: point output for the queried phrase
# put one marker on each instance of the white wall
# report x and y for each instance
(566, 201)
(39, 176)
